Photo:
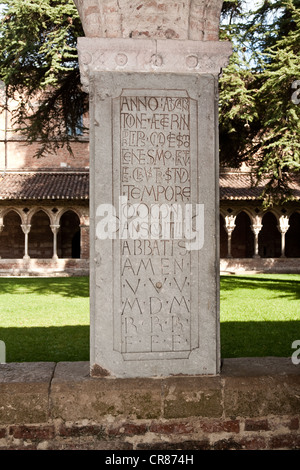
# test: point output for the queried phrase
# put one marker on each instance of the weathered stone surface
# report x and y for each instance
(154, 308)
(193, 396)
(186, 413)
(259, 366)
(154, 155)
(151, 55)
(260, 386)
(196, 20)
(96, 398)
(24, 389)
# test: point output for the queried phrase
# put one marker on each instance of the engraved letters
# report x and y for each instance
(155, 171)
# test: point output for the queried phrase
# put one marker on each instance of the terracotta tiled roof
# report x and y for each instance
(240, 186)
(75, 185)
(42, 185)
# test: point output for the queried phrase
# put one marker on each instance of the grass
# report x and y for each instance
(47, 319)
(260, 315)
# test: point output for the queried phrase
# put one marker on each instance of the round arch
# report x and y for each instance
(17, 210)
(12, 236)
(242, 241)
(40, 237)
(269, 238)
(246, 210)
(32, 212)
(62, 211)
(68, 237)
(292, 236)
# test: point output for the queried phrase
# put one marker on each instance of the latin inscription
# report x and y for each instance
(155, 271)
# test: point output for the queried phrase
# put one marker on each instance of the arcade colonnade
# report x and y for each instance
(43, 232)
(48, 232)
(246, 231)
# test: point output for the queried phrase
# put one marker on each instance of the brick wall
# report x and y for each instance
(253, 405)
(20, 156)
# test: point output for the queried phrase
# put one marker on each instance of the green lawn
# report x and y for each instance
(260, 315)
(47, 319)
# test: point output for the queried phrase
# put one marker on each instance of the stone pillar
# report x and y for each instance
(84, 241)
(154, 198)
(1, 228)
(55, 229)
(256, 227)
(26, 229)
(229, 227)
(283, 227)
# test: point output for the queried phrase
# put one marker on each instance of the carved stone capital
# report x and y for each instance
(151, 55)
(54, 228)
(230, 224)
(256, 228)
(26, 228)
(188, 19)
(283, 225)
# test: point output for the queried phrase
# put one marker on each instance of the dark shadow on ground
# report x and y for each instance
(258, 339)
(71, 343)
(79, 287)
(52, 344)
(280, 287)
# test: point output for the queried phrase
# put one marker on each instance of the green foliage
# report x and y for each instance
(39, 62)
(280, 138)
(259, 121)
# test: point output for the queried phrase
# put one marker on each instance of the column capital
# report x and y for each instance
(256, 228)
(188, 19)
(54, 228)
(151, 55)
(283, 224)
(26, 228)
(230, 223)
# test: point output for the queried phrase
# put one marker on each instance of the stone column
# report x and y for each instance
(256, 227)
(229, 227)
(283, 227)
(154, 198)
(1, 228)
(84, 241)
(55, 229)
(26, 229)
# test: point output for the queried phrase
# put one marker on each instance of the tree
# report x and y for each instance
(259, 120)
(280, 115)
(39, 62)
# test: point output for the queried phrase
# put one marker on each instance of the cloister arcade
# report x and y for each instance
(249, 232)
(43, 232)
(57, 232)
